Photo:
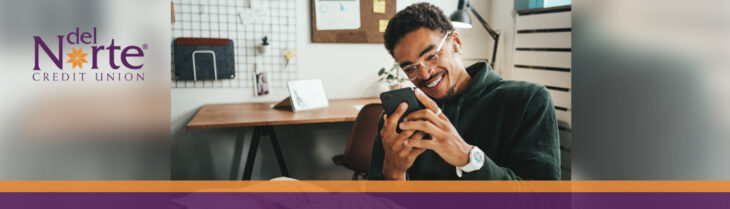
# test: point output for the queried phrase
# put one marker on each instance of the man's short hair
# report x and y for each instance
(412, 18)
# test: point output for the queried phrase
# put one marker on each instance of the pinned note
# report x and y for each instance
(383, 24)
(379, 6)
(337, 14)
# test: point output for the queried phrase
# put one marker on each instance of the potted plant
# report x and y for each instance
(392, 77)
(264, 45)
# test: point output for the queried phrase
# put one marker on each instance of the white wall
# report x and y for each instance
(346, 70)
(502, 16)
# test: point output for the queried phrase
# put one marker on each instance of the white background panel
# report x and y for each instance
(544, 21)
(543, 40)
(563, 116)
(543, 58)
(544, 77)
(560, 98)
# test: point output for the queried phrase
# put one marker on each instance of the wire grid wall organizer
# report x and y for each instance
(245, 22)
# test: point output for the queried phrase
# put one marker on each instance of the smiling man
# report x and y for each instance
(479, 126)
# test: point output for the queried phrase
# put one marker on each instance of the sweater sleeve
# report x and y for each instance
(534, 151)
(375, 172)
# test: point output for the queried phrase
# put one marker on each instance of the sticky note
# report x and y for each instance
(382, 25)
(379, 6)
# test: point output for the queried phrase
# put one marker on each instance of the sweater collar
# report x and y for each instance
(482, 76)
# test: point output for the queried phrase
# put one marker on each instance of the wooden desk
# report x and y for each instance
(262, 117)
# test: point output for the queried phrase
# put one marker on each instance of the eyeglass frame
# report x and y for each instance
(420, 62)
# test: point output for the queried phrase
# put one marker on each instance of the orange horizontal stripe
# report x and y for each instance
(364, 186)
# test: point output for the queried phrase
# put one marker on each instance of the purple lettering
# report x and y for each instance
(56, 59)
(94, 51)
(139, 53)
(75, 34)
(111, 49)
(84, 36)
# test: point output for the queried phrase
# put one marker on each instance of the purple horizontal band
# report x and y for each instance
(363, 200)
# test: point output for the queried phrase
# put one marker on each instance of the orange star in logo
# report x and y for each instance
(76, 58)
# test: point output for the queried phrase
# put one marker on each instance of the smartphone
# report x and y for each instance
(391, 100)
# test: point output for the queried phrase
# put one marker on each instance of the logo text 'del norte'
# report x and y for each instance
(127, 69)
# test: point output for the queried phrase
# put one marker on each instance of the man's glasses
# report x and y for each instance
(429, 61)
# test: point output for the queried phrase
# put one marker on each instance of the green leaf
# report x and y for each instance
(390, 77)
(382, 70)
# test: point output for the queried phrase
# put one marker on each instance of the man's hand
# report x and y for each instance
(398, 157)
(445, 140)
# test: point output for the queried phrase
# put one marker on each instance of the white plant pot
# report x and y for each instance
(262, 49)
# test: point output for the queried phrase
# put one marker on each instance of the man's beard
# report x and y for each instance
(449, 95)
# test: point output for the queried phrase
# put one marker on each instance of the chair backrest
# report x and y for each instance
(362, 136)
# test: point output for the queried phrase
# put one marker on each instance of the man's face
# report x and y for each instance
(439, 81)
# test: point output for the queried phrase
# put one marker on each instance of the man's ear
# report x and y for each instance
(457, 42)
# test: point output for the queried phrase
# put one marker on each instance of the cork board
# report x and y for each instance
(369, 25)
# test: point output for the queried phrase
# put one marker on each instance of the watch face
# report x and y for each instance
(477, 157)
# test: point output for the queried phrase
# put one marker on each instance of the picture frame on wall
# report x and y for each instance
(261, 84)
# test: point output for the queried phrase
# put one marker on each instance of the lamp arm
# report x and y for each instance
(494, 34)
(491, 31)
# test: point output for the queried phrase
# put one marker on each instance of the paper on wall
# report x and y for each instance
(379, 6)
(249, 16)
(382, 25)
(337, 14)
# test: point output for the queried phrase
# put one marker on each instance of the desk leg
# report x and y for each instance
(252, 153)
(257, 131)
(233, 175)
(277, 151)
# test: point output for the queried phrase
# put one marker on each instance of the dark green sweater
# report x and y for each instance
(513, 122)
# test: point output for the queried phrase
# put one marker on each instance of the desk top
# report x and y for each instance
(261, 114)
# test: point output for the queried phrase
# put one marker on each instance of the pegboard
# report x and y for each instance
(245, 22)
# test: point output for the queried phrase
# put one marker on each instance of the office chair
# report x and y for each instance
(360, 144)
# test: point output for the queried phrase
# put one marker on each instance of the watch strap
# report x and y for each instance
(476, 161)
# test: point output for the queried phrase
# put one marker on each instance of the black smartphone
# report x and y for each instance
(391, 100)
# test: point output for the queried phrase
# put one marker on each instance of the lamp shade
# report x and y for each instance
(461, 18)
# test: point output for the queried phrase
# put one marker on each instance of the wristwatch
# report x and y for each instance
(476, 161)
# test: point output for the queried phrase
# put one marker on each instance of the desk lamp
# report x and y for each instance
(461, 19)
